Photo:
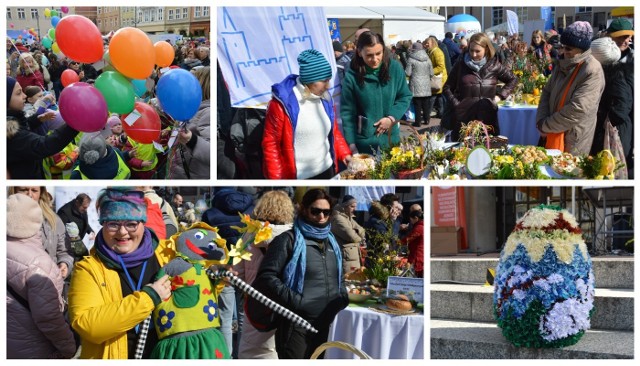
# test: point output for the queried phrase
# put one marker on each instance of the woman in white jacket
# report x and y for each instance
(277, 208)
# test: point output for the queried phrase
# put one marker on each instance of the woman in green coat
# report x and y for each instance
(375, 95)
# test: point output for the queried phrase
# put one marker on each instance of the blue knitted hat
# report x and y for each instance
(11, 83)
(313, 67)
(578, 34)
(121, 204)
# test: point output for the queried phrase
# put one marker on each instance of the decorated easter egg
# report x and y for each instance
(544, 283)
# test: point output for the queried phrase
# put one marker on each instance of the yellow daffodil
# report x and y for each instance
(239, 253)
(263, 234)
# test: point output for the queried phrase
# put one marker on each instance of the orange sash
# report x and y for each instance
(556, 140)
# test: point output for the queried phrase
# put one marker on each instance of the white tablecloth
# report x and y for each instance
(381, 336)
(518, 123)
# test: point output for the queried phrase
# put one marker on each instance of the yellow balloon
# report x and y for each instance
(55, 48)
(47, 12)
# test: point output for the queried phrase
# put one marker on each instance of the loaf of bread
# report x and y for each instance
(399, 302)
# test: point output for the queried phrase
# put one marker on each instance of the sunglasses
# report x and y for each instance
(317, 211)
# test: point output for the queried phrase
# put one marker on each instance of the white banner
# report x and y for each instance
(512, 22)
(365, 195)
(259, 46)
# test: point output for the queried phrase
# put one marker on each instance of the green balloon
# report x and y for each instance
(47, 42)
(52, 34)
(117, 91)
(54, 13)
(106, 57)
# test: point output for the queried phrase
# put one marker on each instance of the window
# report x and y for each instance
(161, 14)
(99, 23)
(146, 16)
(522, 13)
(34, 13)
(153, 16)
(170, 14)
(497, 16)
(99, 10)
(21, 14)
(205, 11)
(178, 16)
(185, 13)
(139, 20)
(584, 9)
(197, 11)
(8, 14)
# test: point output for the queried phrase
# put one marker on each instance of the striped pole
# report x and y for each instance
(142, 339)
(245, 287)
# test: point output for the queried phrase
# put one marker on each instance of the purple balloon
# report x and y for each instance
(83, 107)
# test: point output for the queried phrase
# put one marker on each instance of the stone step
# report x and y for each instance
(614, 307)
(476, 340)
(614, 272)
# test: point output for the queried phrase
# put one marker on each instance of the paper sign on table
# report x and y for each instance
(413, 288)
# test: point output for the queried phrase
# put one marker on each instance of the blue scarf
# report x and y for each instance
(295, 269)
(131, 260)
(474, 65)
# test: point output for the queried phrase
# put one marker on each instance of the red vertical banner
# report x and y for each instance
(449, 209)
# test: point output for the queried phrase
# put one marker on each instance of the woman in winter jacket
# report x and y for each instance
(348, 233)
(25, 148)
(29, 72)
(301, 137)
(35, 322)
(52, 231)
(116, 288)
(420, 71)
(276, 208)
(375, 96)
(302, 270)
(576, 118)
(439, 63)
(472, 85)
(415, 242)
(194, 140)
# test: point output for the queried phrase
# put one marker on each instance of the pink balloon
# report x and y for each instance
(83, 107)
(12, 25)
(64, 9)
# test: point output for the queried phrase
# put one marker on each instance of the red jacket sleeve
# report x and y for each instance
(272, 140)
(339, 144)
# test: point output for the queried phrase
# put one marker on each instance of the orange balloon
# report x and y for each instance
(79, 39)
(132, 53)
(164, 53)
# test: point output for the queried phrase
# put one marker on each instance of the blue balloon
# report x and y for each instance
(139, 86)
(55, 20)
(179, 93)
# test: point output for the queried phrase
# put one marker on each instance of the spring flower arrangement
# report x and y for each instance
(521, 162)
(253, 232)
(381, 261)
(544, 283)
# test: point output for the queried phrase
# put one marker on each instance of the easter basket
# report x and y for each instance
(340, 345)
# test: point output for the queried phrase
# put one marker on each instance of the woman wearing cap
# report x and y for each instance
(420, 71)
(115, 288)
(375, 96)
(301, 137)
(302, 270)
(25, 148)
(97, 160)
(472, 85)
(35, 322)
(276, 208)
(348, 233)
(569, 101)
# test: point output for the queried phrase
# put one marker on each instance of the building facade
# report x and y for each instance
(108, 19)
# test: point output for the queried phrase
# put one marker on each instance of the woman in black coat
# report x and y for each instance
(472, 85)
(25, 148)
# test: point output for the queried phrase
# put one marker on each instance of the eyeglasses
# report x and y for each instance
(317, 211)
(114, 226)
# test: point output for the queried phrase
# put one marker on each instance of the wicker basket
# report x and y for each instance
(410, 174)
(341, 345)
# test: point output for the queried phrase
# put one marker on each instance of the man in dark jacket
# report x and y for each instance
(302, 270)
(226, 205)
(76, 211)
(452, 48)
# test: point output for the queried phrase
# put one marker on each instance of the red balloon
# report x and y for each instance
(145, 129)
(79, 39)
(69, 77)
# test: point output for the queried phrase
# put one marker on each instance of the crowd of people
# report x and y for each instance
(40, 145)
(92, 304)
(457, 79)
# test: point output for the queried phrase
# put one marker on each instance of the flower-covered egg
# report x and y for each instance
(544, 283)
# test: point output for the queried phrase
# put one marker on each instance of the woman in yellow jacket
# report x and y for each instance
(439, 68)
(114, 289)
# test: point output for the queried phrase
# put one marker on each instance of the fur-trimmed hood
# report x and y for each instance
(13, 126)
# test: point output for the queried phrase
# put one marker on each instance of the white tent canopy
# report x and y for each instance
(394, 23)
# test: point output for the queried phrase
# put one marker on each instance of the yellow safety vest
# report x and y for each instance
(123, 169)
(144, 152)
